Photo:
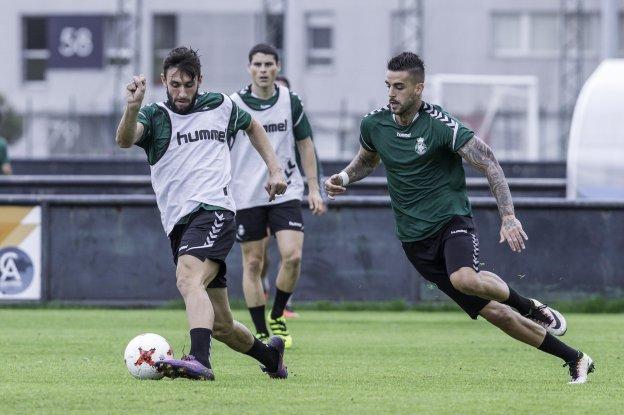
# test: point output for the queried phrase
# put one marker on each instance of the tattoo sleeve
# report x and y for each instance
(481, 157)
(362, 165)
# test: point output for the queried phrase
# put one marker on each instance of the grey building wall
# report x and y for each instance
(457, 38)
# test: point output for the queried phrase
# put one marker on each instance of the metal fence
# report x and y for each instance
(49, 134)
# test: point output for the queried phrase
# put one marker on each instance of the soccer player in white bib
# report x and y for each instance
(281, 113)
(187, 139)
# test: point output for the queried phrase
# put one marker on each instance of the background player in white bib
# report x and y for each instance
(289, 311)
(187, 140)
(281, 113)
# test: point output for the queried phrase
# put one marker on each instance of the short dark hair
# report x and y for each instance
(264, 48)
(283, 79)
(408, 61)
(185, 59)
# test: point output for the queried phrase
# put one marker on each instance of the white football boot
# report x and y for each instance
(549, 318)
(580, 368)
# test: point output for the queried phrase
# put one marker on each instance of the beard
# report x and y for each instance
(403, 107)
(173, 107)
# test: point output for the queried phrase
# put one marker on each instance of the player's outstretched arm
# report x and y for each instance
(129, 130)
(480, 156)
(259, 139)
(308, 161)
(361, 166)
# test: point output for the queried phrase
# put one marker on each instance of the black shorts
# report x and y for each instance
(252, 223)
(437, 257)
(209, 234)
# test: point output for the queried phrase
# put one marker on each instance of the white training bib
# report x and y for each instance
(195, 168)
(249, 172)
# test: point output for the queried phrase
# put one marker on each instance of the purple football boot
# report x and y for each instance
(282, 371)
(188, 367)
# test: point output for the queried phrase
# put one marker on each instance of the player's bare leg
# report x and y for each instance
(192, 277)
(489, 286)
(226, 329)
(512, 323)
(253, 258)
(265, 268)
(239, 338)
(290, 245)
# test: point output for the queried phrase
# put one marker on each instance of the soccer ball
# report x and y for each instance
(143, 351)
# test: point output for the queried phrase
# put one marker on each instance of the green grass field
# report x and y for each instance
(70, 361)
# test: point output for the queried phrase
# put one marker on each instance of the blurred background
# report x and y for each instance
(542, 81)
(522, 63)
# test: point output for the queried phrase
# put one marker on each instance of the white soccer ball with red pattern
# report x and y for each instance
(143, 352)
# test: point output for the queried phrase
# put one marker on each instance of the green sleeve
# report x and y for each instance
(301, 125)
(4, 154)
(457, 134)
(239, 120)
(146, 115)
(365, 136)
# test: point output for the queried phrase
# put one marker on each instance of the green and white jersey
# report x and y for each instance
(189, 154)
(284, 121)
(426, 179)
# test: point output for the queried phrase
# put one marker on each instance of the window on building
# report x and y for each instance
(35, 52)
(539, 34)
(118, 32)
(165, 36)
(507, 36)
(320, 39)
(544, 33)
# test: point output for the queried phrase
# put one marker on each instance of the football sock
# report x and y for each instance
(257, 316)
(200, 345)
(264, 354)
(281, 298)
(556, 347)
(520, 303)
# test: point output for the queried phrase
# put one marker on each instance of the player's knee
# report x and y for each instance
(466, 280)
(501, 316)
(253, 265)
(187, 282)
(292, 259)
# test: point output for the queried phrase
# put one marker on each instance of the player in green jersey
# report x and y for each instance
(422, 148)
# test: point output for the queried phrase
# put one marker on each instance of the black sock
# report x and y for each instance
(556, 347)
(281, 298)
(257, 315)
(264, 354)
(200, 345)
(520, 303)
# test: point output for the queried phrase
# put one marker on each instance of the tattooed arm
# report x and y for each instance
(361, 166)
(481, 157)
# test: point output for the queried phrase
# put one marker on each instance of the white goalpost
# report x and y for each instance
(503, 110)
